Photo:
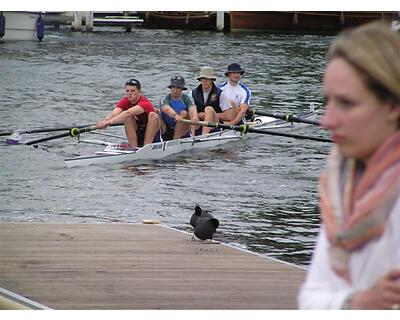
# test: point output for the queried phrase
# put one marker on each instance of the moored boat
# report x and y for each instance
(190, 20)
(21, 25)
(303, 21)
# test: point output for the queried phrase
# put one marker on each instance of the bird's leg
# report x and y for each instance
(212, 241)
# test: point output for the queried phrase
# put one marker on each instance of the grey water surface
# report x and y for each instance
(264, 191)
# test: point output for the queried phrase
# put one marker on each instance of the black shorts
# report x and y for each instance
(169, 134)
(141, 133)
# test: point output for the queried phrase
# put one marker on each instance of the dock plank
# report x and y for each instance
(137, 266)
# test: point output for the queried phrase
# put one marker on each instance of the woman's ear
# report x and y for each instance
(394, 112)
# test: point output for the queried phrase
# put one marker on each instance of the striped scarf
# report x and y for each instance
(356, 213)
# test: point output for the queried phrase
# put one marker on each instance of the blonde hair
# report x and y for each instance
(374, 51)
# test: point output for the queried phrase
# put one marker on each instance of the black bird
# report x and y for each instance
(204, 224)
(198, 212)
(205, 228)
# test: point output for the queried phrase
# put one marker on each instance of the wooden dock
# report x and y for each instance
(138, 266)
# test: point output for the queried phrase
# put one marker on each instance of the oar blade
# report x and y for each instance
(285, 117)
(15, 138)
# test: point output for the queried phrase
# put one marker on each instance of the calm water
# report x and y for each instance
(263, 191)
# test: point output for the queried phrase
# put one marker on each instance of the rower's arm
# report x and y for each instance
(113, 114)
(193, 113)
(242, 112)
(122, 116)
(226, 115)
(168, 110)
(104, 123)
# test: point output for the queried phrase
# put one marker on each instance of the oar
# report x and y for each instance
(285, 117)
(246, 128)
(41, 130)
(73, 132)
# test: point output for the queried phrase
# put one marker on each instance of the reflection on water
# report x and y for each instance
(263, 190)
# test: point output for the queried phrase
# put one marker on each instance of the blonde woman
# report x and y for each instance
(356, 262)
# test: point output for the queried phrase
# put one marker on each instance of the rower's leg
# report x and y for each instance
(153, 125)
(130, 131)
(209, 116)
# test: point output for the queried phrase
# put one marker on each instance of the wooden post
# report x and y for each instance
(77, 22)
(220, 21)
(89, 21)
(341, 18)
(295, 18)
(128, 27)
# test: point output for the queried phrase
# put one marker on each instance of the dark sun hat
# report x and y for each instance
(234, 67)
(177, 81)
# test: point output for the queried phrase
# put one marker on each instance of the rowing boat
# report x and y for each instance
(113, 153)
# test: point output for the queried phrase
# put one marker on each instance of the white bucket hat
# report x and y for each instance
(207, 72)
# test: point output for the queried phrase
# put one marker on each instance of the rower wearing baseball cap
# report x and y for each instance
(137, 113)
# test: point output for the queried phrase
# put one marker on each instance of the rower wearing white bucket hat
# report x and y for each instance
(207, 97)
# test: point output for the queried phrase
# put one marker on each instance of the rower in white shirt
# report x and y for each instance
(235, 94)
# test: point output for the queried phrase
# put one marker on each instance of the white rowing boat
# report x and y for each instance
(113, 153)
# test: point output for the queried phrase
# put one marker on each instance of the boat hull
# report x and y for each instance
(188, 20)
(302, 21)
(157, 151)
(20, 25)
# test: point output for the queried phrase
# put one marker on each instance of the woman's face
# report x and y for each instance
(359, 122)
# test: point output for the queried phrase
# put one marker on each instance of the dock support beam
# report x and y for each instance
(89, 21)
(76, 24)
(220, 21)
(83, 21)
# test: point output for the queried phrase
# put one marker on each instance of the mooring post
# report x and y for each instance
(220, 20)
(77, 22)
(89, 21)
(128, 27)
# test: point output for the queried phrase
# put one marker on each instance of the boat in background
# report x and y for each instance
(21, 25)
(304, 21)
(184, 20)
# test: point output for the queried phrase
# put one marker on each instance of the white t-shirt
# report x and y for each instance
(239, 94)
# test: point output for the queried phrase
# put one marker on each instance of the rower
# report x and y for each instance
(207, 97)
(141, 120)
(236, 94)
(175, 107)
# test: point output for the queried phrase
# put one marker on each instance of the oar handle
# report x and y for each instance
(74, 132)
(285, 117)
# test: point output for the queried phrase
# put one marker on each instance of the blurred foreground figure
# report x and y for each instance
(356, 262)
